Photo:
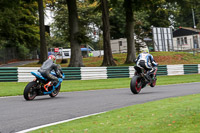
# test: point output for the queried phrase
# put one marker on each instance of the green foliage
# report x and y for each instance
(117, 20)
(141, 28)
(88, 20)
(19, 29)
(159, 13)
(184, 16)
(19, 24)
(146, 14)
(54, 41)
(23, 52)
(60, 25)
(81, 37)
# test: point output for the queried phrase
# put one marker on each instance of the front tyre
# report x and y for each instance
(55, 92)
(30, 91)
(136, 84)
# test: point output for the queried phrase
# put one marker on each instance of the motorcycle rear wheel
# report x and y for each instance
(30, 91)
(55, 92)
(136, 84)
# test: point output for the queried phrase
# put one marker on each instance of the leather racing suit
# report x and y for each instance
(46, 69)
(146, 61)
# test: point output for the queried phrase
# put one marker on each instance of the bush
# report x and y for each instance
(23, 52)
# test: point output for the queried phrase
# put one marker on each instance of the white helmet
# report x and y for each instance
(145, 50)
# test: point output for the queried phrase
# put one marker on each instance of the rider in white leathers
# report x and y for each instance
(146, 61)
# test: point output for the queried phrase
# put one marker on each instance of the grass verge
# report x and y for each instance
(16, 88)
(173, 115)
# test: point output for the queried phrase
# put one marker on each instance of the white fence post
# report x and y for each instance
(24, 73)
(93, 73)
(175, 69)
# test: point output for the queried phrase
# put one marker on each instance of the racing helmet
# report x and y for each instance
(53, 58)
(146, 50)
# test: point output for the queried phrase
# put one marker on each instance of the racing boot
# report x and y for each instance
(46, 86)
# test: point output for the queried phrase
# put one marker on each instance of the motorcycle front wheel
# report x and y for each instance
(55, 92)
(30, 91)
(154, 82)
(136, 84)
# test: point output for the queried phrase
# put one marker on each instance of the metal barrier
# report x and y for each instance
(162, 70)
(72, 73)
(118, 72)
(22, 74)
(93, 73)
(190, 69)
(8, 74)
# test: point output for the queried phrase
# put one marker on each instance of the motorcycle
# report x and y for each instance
(36, 87)
(140, 80)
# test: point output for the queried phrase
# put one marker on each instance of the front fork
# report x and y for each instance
(154, 74)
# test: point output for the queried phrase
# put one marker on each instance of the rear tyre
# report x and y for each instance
(30, 91)
(55, 92)
(136, 84)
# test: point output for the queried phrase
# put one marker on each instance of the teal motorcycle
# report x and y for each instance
(36, 87)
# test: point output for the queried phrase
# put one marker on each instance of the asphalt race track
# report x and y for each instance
(16, 114)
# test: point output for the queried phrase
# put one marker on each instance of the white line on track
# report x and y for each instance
(59, 122)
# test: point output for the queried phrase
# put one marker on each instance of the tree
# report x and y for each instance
(129, 7)
(117, 19)
(19, 26)
(184, 13)
(159, 14)
(43, 46)
(76, 56)
(107, 58)
(141, 29)
(60, 26)
(118, 23)
(89, 18)
(131, 52)
(19, 23)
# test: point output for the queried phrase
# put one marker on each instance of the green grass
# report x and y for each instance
(16, 88)
(11, 88)
(173, 115)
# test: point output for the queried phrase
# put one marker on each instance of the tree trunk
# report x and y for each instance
(43, 46)
(76, 56)
(107, 58)
(131, 52)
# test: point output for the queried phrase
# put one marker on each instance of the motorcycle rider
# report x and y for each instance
(146, 61)
(46, 69)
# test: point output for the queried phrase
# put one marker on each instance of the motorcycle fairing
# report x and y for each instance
(54, 87)
(38, 75)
